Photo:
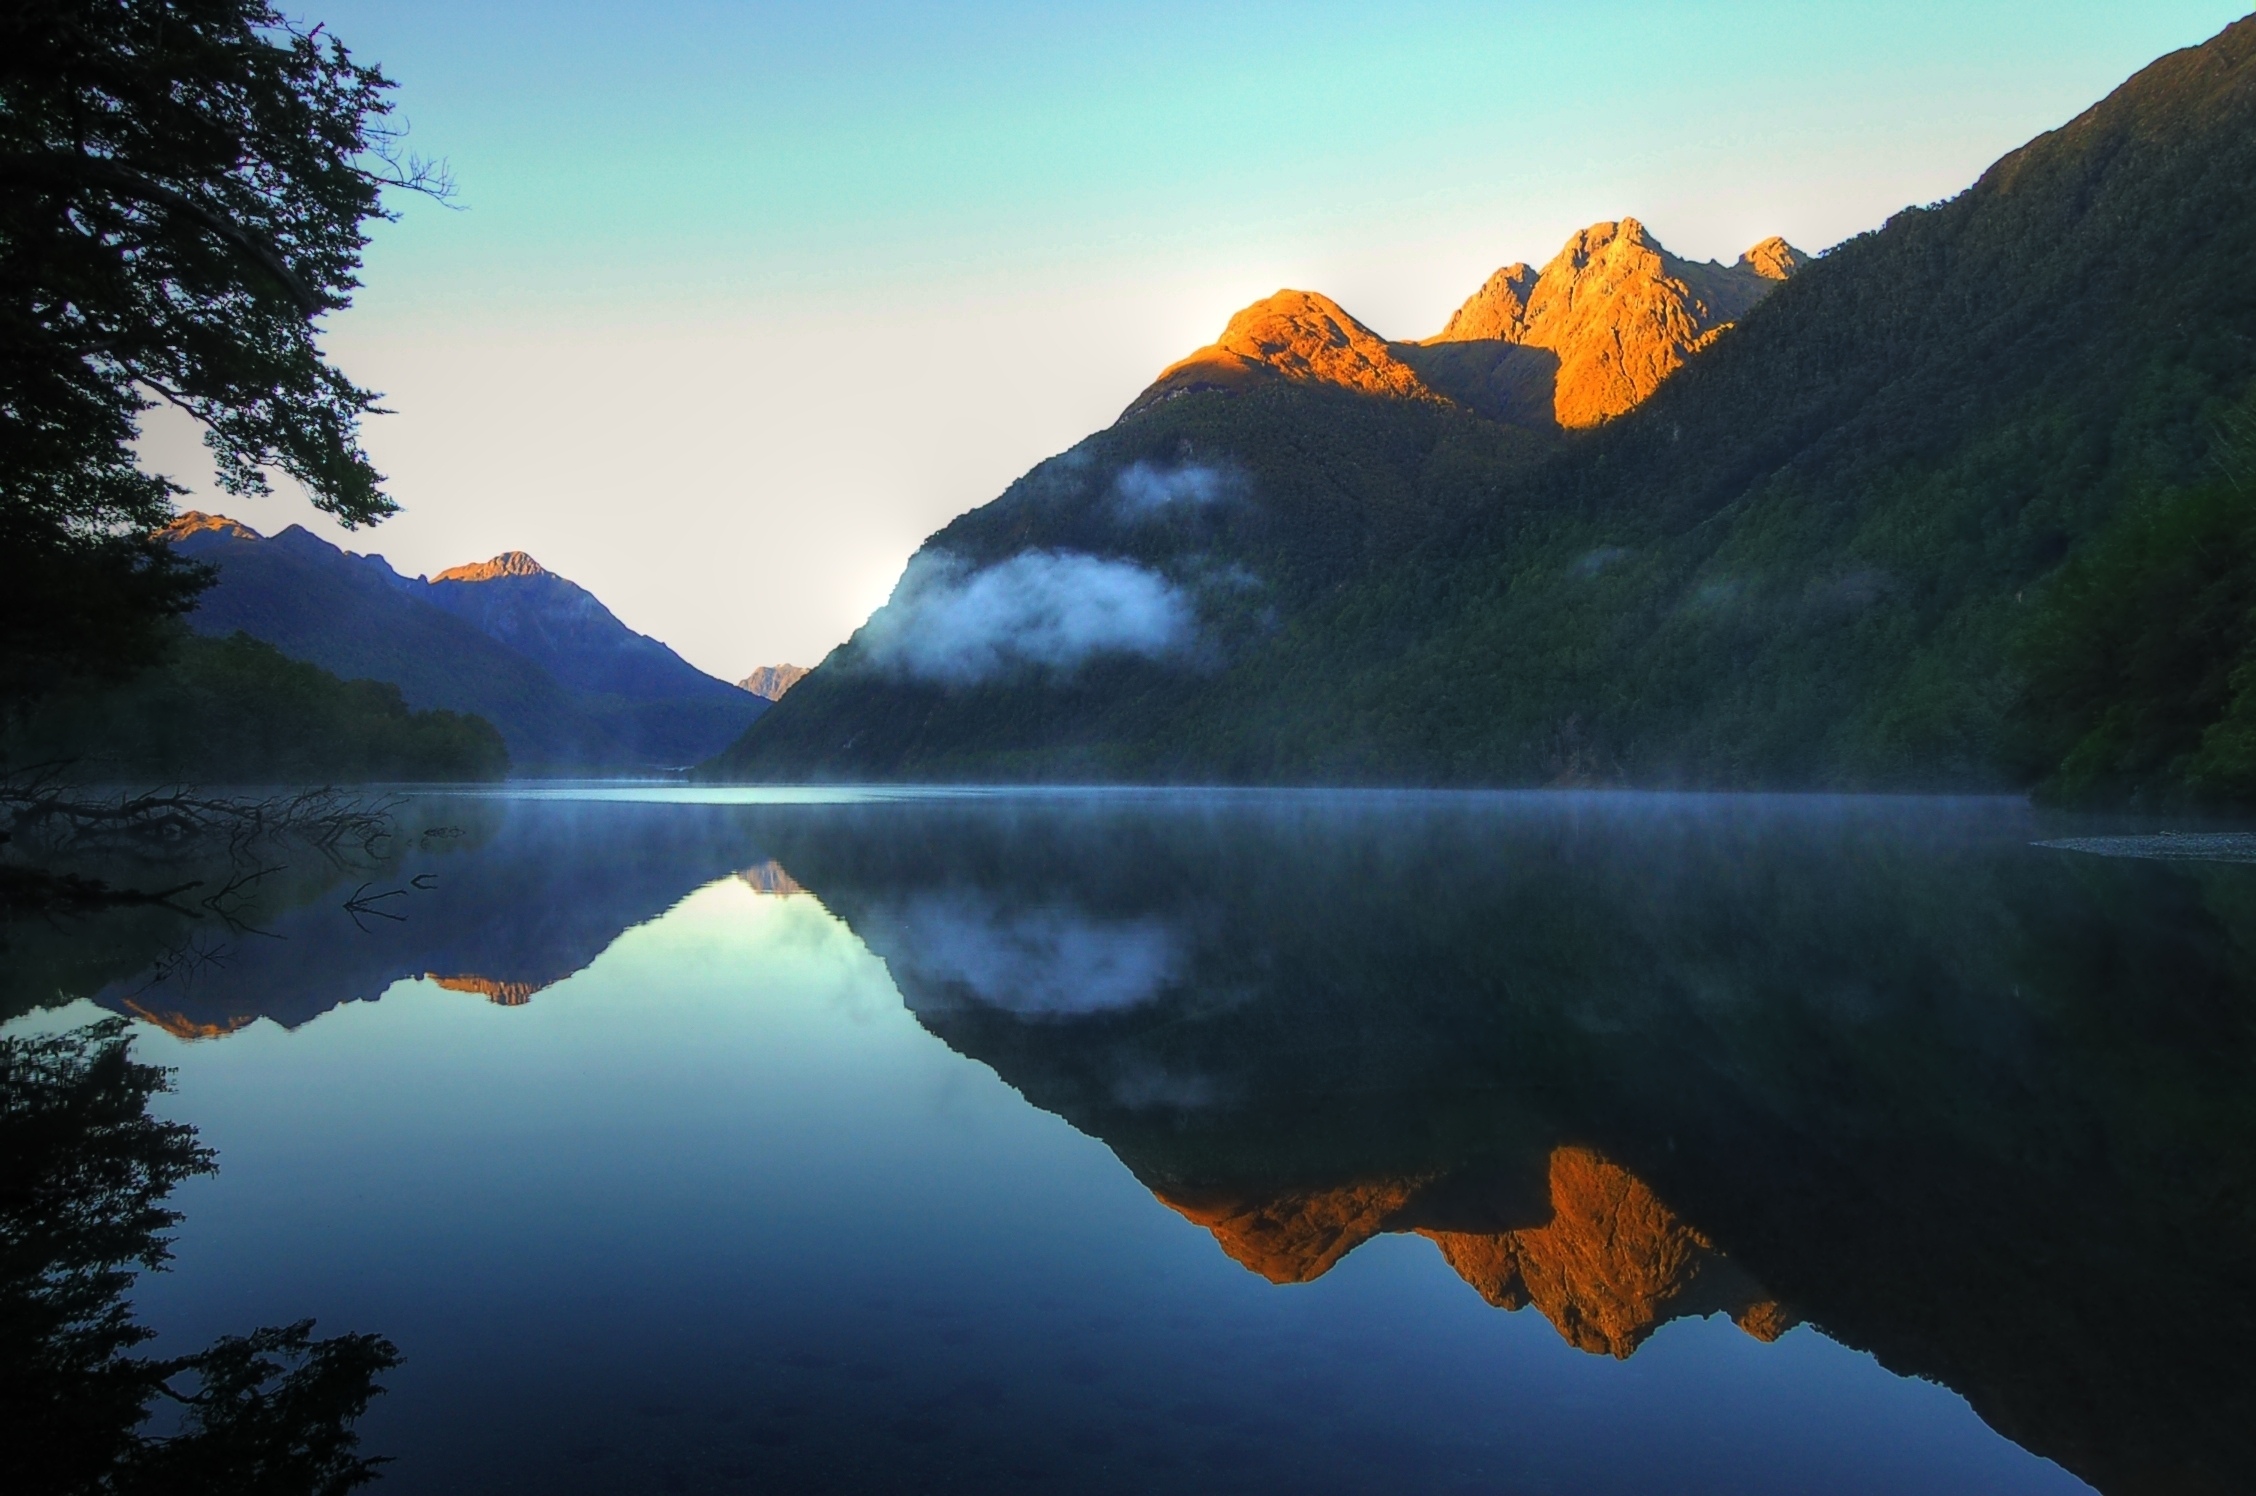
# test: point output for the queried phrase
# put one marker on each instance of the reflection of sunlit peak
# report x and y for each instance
(769, 879)
(1612, 1265)
(181, 1026)
(499, 993)
(1297, 1237)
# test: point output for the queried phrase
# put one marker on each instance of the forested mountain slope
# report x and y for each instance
(1815, 556)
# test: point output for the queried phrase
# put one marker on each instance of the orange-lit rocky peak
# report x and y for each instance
(1498, 310)
(1619, 312)
(1612, 1265)
(196, 522)
(1296, 1237)
(1773, 259)
(501, 994)
(507, 564)
(1295, 335)
(181, 1026)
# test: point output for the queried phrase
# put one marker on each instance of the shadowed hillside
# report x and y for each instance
(567, 684)
(1805, 559)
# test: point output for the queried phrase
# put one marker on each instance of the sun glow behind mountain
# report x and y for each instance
(745, 302)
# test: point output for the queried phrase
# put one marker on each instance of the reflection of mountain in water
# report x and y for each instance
(532, 895)
(1981, 1109)
(1608, 1265)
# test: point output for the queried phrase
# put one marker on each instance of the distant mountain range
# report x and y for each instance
(564, 681)
(1942, 507)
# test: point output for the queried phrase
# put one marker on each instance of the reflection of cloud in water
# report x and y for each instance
(1050, 961)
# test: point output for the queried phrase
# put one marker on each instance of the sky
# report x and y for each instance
(737, 303)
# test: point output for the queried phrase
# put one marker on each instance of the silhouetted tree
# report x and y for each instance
(184, 186)
(84, 1173)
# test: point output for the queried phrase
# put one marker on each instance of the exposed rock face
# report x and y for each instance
(1773, 259)
(499, 993)
(1611, 1266)
(1619, 311)
(1588, 338)
(507, 564)
(1296, 1238)
(181, 1026)
(769, 682)
(1497, 310)
(1297, 335)
(196, 522)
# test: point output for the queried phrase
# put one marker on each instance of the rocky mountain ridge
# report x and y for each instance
(1589, 338)
(770, 682)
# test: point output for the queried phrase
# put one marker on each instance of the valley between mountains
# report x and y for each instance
(1967, 502)
(1964, 503)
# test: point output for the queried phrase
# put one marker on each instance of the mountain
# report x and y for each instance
(1298, 336)
(665, 709)
(1616, 314)
(1610, 1266)
(449, 645)
(1593, 336)
(1814, 555)
(769, 682)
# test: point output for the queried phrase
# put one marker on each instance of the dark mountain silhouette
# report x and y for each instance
(1808, 557)
(665, 708)
(481, 896)
(565, 682)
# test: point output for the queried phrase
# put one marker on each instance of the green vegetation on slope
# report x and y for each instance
(2141, 654)
(235, 710)
(1796, 565)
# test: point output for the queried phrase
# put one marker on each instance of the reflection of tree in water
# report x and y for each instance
(84, 1174)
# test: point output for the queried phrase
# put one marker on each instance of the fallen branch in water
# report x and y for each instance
(40, 809)
(31, 890)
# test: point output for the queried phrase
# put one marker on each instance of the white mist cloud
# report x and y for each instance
(954, 625)
(1144, 489)
(1053, 962)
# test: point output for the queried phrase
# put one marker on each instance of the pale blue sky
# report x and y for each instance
(742, 300)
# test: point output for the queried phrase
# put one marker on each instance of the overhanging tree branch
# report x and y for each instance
(69, 170)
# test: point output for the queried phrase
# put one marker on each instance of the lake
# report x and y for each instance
(690, 1141)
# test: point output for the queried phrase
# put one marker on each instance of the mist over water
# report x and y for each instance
(1334, 1142)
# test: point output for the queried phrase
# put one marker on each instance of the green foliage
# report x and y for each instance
(184, 186)
(237, 710)
(2140, 656)
(1796, 565)
(84, 1174)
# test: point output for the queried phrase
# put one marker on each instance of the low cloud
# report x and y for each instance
(1144, 489)
(953, 624)
(1053, 962)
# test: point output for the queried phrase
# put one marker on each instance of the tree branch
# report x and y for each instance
(72, 169)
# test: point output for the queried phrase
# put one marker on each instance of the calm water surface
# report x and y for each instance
(1144, 1141)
